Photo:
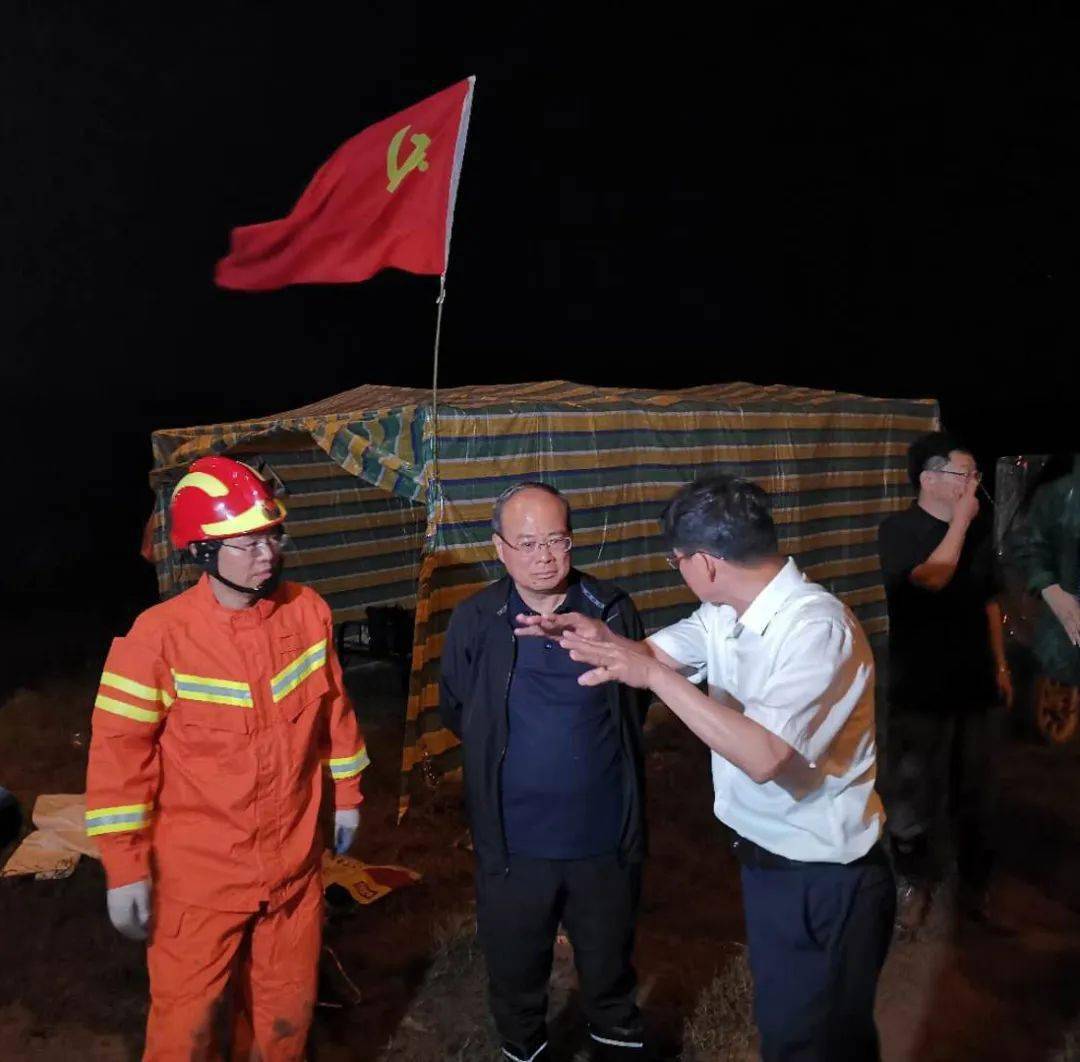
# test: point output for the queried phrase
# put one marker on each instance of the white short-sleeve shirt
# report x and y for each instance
(798, 663)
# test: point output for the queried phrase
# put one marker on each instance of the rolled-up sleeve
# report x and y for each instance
(687, 642)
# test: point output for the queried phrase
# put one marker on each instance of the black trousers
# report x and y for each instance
(939, 785)
(818, 934)
(518, 914)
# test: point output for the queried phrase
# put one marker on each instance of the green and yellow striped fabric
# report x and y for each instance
(385, 507)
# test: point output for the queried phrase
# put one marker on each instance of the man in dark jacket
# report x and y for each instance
(554, 783)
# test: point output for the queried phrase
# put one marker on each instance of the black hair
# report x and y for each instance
(930, 453)
(723, 516)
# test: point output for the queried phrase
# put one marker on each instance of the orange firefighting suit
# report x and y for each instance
(208, 731)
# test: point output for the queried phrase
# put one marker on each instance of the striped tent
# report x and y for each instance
(390, 500)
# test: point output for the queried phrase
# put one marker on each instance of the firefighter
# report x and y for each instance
(211, 723)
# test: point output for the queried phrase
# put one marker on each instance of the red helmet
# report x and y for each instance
(219, 498)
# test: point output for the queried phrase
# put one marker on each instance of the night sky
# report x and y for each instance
(884, 203)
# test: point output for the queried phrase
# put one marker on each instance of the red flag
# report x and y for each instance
(384, 198)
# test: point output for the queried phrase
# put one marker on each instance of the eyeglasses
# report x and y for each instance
(675, 560)
(558, 545)
(975, 474)
(273, 542)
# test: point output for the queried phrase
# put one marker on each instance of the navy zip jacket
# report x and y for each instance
(477, 665)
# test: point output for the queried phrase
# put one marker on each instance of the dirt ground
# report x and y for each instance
(71, 987)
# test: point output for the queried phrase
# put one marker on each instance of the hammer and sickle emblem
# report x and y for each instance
(415, 161)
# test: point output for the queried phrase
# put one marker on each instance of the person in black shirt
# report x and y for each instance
(947, 670)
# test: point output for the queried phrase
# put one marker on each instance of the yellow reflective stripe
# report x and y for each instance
(290, 676)
(118, 819)
(305, 655)
(255, 519)
(111, 704)
(136, 689)
(203, 680)
(212, 690)
(238, 701)
(339, 760)
(205, 482)
(120, 809)
(343, 767)
(116, 827)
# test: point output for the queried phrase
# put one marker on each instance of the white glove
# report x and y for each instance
(346, 823)
(129, 909)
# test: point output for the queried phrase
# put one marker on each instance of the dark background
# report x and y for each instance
(881, 202)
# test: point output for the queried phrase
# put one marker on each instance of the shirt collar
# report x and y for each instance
(927, 516)
(571, 603)
(771, 598)
(262, 608)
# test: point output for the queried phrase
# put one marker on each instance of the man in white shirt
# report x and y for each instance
(789, 716)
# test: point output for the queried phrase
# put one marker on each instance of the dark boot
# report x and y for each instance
(533, 1051)
(912, 905)
(620, 1043)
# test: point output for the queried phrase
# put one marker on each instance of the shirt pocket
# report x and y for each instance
(213, 717)
(305, 699)
(300, 680)
(211, 733)
(303, 728)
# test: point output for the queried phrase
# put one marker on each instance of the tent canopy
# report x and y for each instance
(384, 508)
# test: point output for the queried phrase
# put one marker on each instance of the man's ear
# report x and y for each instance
(712, 565)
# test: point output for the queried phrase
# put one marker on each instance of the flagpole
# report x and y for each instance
(435, 380)
(455, 177)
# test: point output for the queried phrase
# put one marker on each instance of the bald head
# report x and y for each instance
(516, 491)
(532, 538)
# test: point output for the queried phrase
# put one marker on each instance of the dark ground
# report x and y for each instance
(72, 987)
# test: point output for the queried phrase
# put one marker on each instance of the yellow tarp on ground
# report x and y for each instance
(54, 848)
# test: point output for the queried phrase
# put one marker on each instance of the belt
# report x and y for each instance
(757, 858)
